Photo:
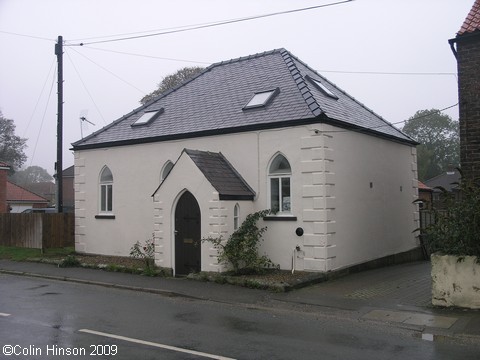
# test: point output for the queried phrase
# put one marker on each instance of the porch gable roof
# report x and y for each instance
(222, 175)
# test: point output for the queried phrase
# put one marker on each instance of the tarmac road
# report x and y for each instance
(40, 318)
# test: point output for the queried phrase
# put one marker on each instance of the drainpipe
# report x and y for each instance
(293, 259)
(294, 256)
(299, 233)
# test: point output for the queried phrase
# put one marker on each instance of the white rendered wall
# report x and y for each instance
(136, 172)
(345, 221)
(375, 186)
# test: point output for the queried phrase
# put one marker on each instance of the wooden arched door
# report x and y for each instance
(187, 235)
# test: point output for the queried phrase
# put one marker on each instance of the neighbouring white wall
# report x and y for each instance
(345, 221)
(16, 208)
(455, 281)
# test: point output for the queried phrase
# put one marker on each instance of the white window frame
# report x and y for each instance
(281, 176)
(322, 87)
(147, 117)
(261, 99)
(236, 217)
(105, 197)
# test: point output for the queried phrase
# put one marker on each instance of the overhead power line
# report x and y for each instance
(27, 35)
(111, 73)
(430, 113)
(39, 98)
(147, 56)
(183, 28)
(208, 25)
(39, 133)
(395, 123)
(86, 88)
(321, 71)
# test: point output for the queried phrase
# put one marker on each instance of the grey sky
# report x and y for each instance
(103, 83)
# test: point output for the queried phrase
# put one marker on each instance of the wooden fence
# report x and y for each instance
(37, 230)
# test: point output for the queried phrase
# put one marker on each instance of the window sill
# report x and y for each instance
(280, 218)
(105, 216)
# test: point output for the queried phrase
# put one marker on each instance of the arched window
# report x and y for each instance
(106, 190)
(279, 174)
(166, 170)
(236, 217)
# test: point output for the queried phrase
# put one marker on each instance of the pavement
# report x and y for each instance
(398, 296)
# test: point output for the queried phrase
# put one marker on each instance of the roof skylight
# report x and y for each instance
(322, 87)
(261, 99)
(148, 117)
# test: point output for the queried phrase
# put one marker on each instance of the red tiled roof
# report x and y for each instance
(4, 165)
(422, 186)
(472, 21)
(17, 193)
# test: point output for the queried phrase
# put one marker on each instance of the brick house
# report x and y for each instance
(467, 52)
(48, 190)
(20, 199)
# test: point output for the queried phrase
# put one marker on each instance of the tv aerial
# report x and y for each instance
(83, 119)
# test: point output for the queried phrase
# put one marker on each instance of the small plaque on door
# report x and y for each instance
(187, 241)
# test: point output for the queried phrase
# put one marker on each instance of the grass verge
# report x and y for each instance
(22, 254)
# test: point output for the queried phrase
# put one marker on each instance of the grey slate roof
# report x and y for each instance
(222, 175)
(212, 103)
(69, 172)
(447, 180)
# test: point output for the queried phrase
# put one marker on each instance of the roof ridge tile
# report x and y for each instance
(302, 86)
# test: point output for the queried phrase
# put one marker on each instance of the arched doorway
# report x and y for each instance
(187, 235)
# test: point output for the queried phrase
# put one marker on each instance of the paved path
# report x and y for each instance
(398, 294)
(407, 284)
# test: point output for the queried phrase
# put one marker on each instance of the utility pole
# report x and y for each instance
(59, 163)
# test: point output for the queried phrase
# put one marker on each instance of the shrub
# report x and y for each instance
(240, 251)
(69, 261)
(145, 252)
(456, 230)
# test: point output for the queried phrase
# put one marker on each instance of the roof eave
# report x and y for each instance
(213, 132)
(322, 118)
(372, 132)
(465, 36)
